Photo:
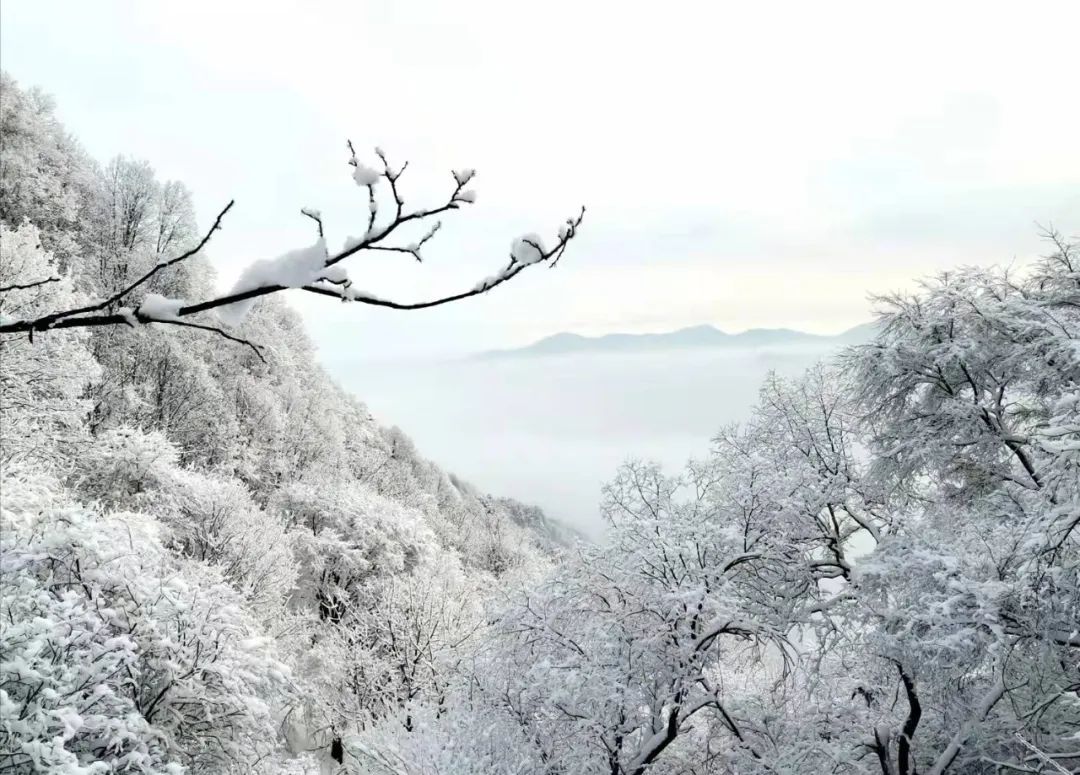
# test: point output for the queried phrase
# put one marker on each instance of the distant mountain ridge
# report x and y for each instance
(693, 337)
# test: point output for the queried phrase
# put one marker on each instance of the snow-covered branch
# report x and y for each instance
(314, 269)
(945, 760)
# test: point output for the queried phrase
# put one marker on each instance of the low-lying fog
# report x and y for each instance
(551, 430)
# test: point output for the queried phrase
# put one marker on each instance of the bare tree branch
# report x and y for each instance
(203, 327)
(27, 286)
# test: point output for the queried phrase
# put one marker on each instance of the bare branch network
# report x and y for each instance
(313, 269)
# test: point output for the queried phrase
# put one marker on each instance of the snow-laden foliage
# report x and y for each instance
(48, 179)
(118, 656)
(42, 384)
(213, 560)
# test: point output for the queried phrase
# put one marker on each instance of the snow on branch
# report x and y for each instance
(314, 268)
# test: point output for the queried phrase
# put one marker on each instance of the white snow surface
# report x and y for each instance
(527, 249)
(355, 294)
(365, 176)
(161, 307)
(335, 274)
(489, 282)
(294, 269)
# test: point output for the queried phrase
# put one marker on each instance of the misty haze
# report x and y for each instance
(551, 428)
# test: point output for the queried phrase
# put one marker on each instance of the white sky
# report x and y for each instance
(744, 164)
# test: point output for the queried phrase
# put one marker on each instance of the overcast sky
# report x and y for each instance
(744, 164)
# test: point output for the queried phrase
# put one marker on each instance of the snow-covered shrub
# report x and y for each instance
(345, 535)
(118, 657)
(123, 467)
(404, 642)
(213, 518)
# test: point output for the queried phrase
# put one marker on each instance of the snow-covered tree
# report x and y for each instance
(47, 178)
(43, 383)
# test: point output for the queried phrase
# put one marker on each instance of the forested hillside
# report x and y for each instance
(215, 561)
(208, 550)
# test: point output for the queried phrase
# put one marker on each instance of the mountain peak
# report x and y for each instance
(703, 335)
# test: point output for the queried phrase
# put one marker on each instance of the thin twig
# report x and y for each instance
(315, 216)
(214, 329)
